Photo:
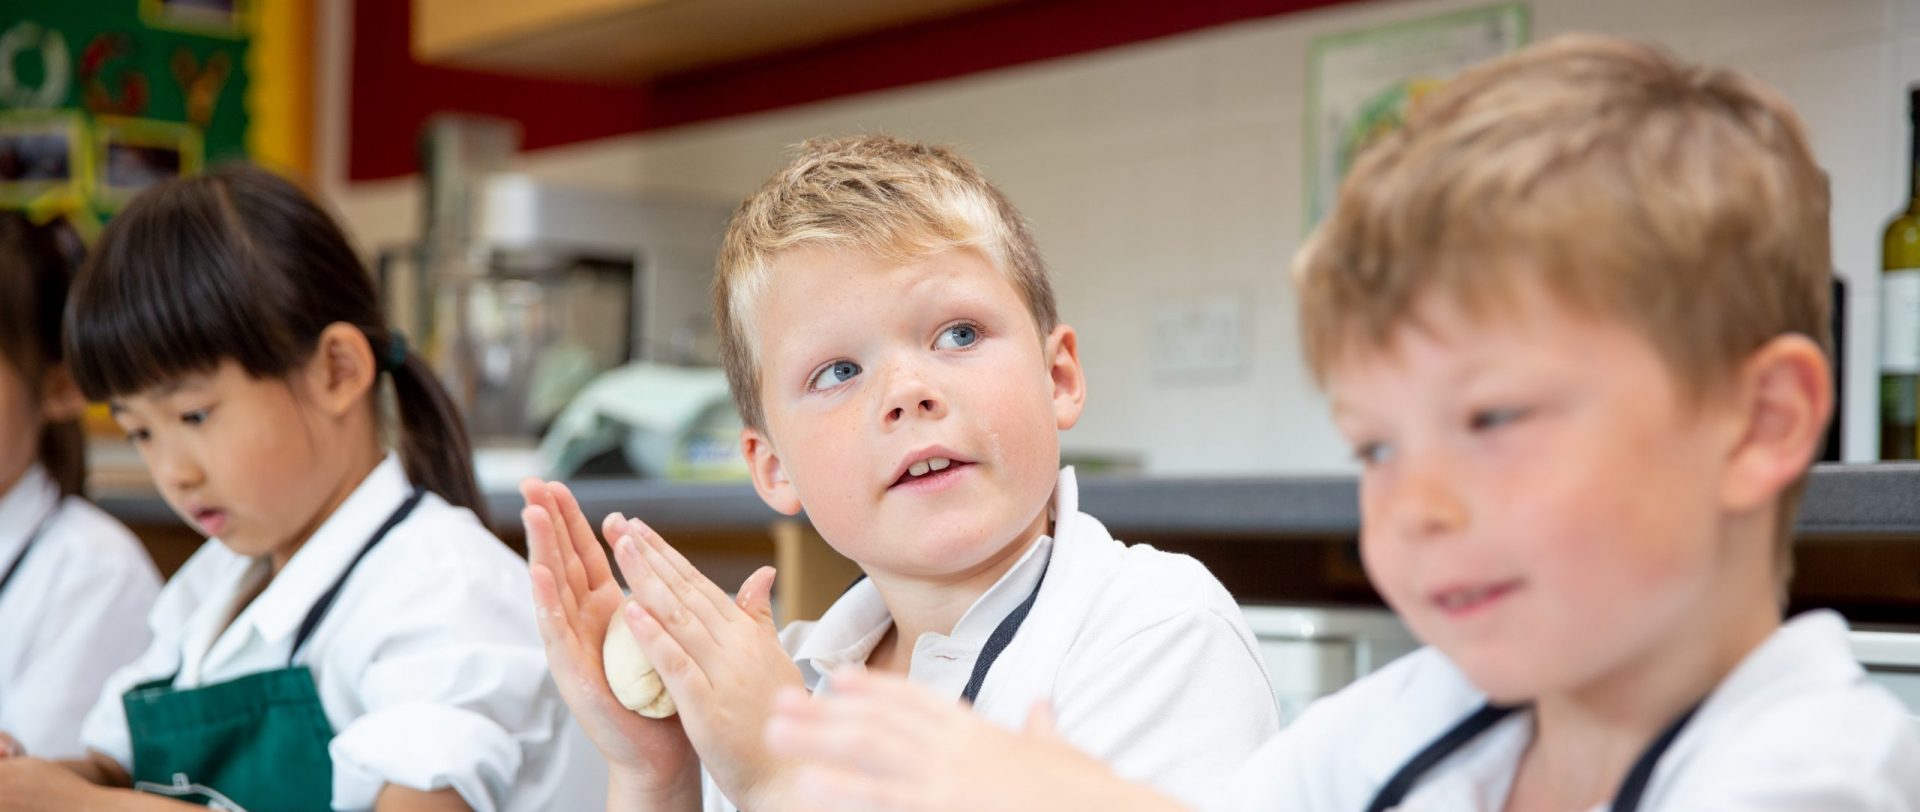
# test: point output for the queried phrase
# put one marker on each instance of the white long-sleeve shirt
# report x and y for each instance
(1146, 660)
(1796, 726)
(428, 666)
(74, 612)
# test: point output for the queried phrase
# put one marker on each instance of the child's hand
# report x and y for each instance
(38, 785)
(881, 743)
(721, 661)
(11, 747)
(575, 596)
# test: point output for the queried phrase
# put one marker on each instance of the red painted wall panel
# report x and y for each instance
(392, 95)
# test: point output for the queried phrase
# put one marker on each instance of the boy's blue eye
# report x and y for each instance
(1371, 454)
(834, 374)
(1486, 419)
(195, 417)
(957, 337)
(139, 435)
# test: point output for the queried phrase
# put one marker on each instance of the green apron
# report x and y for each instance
(257, 742)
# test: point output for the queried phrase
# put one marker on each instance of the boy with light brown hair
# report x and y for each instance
(1572, 319)
(895, 352)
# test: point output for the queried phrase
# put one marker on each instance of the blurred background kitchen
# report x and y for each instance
(540, 188)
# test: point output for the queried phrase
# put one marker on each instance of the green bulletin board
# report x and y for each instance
(100, 98)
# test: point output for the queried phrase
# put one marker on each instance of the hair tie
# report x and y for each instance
(396, 351)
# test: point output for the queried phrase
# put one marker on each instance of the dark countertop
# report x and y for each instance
(1274, 539)
(1854, 502)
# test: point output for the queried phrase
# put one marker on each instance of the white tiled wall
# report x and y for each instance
(1174, 169)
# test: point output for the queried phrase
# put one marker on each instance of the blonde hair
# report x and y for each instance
(875, 194)
(1680, 199)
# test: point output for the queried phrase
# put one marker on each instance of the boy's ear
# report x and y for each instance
(341, 370)
(1069, 382)
(769, 476)
(1785, 398)
(60, 398)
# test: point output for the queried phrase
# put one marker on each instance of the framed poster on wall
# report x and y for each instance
(1360, 83)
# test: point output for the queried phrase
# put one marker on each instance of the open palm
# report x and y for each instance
(575, 596)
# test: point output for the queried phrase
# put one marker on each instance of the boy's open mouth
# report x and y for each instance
(1465, 600)
(929, 472)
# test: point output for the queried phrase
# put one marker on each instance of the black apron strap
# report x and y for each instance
(320, 607)
(1001, 636)
(39, 530)
(1466, 730)
(1628, 798)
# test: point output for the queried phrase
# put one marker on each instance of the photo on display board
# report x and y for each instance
(219, 18)
(43, 158)
(136, 153)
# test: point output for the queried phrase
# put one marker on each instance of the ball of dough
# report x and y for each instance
(631, 674)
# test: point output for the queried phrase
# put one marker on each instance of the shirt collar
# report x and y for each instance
(23, 509)
(318, 563)
(1813, 647)
(1808, 653)
(853, 625)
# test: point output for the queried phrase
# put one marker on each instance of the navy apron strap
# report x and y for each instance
(1628, 798)
(998, 640)
(1466, 730)
(325, 602)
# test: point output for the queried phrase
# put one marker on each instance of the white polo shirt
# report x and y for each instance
(1147, 661)
(1796, 726)
(428, 666)
(68, 618)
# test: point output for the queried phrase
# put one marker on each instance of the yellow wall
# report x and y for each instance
(280, 91)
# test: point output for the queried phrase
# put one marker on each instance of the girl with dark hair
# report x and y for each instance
(353, 637)
(70, 576)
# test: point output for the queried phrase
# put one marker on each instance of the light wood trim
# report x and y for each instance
(447, 28)
(812, 574)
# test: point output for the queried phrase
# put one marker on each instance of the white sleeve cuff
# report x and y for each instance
(425, 747)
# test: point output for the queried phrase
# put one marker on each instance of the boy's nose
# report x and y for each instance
(910, 397)
(1425, 505)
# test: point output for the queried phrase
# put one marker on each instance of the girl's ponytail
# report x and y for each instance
(433, 442)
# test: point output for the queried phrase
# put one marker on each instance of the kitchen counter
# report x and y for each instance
(1273, 539)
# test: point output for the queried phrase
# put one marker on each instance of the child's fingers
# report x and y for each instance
(544, 551)
(1040, 722)
(555, 629)
(11, 747)
(681, 567)
(685, 682)
(886, 722)
(906, 703)
(570, 567)
(756, 598)
(842, 790)
(698, 594)
(671, 611)
(856, 732)
(613, 527)
(794, 701)
(585, 544)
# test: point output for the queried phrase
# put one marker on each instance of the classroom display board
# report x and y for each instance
(102, 98)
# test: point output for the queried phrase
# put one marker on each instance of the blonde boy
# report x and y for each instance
(1571, 319)
(894, 350)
